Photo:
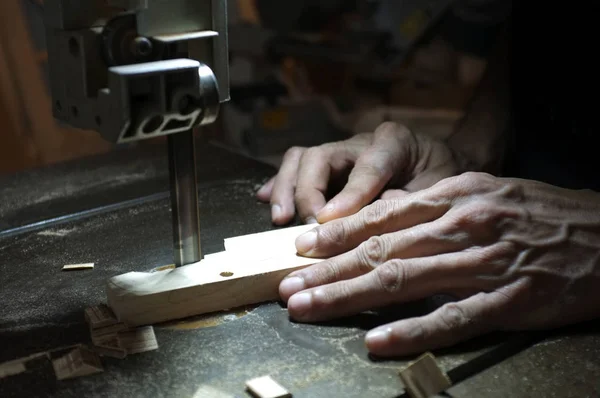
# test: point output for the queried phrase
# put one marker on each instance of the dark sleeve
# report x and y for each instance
(472, 26)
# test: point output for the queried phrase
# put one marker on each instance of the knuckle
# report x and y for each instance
(392, 276)
(453, 316)
(388, 129)
(294, 152)
(313, 152)
(335, 295)
(329, 272)
(377, 214)
(419, 333)
(335, 232)
(373, 252)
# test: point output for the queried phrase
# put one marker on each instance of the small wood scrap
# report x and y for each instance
(78, 267)
(100, 316)
(21, 365)
(205, 391)
(138, 340)
(79, 362)
(114, 339)
(423, 378)
(12, 368)
(266, 387)
(109, 346)
(107, 331)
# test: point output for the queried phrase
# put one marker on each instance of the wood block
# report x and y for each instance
(423, 378)
(100, 316)
(266, 387)
(249, 272)
(138, 340)
(77, 363)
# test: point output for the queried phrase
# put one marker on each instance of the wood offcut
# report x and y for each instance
(77, 363)
(78, 267)
(423, 378)
(248, 272)
(266, 387)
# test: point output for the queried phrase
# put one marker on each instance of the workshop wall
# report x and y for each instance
(30, 135)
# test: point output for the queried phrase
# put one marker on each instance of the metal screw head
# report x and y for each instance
(142, 46)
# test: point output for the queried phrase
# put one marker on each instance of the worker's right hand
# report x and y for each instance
(392, 159)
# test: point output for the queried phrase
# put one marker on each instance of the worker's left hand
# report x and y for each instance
(516, 254)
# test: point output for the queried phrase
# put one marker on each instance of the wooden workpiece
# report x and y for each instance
(248, 272)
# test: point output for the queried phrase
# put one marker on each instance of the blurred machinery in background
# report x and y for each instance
(296, 66)
(139, 69)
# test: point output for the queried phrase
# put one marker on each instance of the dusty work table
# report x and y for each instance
(113, 210)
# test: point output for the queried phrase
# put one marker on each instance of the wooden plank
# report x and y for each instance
(249, 274)
(266, 387)
(275, 241)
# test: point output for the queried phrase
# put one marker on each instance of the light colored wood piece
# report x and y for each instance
(276, 241)
(266, 387)
(100, 334)
(249, 272)
(138, 340)
(77, 363)
(78, 267)
(110, 346)
(12, 368)
(423, 378)
(100, 316)
(206, 391)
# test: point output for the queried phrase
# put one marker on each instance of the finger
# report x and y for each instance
(448, 325)
(429, 239)
(482, 268)
(282, 194)
(371, 173)
(384, 216)
(394, 281)
(430, 177)
(313, 178)
(264, 193)
(393, 194)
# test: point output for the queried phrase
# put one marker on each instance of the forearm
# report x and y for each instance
(480, 139)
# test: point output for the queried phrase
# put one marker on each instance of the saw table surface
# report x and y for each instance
(114, 211)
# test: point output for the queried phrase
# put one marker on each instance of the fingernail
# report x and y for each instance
(291, 285)
(306, 242)
(276, 212)
(311, 220)
(377, 337)
(299, 304)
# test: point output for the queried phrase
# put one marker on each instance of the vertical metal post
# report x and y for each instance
(184, 198)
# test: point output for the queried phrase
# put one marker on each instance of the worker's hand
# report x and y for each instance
(516, 254)
(391, 157)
